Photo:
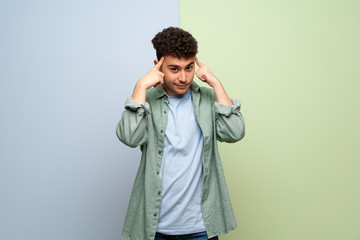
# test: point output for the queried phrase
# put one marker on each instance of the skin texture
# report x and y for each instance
(176, 76)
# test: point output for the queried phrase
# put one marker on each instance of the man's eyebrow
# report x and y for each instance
(173, 65)
(177, 66)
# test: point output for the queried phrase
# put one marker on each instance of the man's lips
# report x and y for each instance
(182, 85)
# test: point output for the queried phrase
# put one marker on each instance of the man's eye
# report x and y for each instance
(174, 69)
(189, 68)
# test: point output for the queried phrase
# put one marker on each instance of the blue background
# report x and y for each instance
(66, 68)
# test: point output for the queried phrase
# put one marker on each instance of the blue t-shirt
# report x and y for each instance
(181, 170)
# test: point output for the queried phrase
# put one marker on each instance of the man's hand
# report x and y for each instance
(205, 75)
(153, 78)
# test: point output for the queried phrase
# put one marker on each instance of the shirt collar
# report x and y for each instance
(160, 92)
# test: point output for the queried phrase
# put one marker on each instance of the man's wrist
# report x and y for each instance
(216, 84)
(140, 85)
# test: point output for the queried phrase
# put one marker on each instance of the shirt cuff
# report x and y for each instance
(135, 106)
(227, 110)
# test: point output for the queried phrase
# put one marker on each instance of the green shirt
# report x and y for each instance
(145, 126)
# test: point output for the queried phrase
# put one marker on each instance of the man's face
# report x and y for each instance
(179, 74)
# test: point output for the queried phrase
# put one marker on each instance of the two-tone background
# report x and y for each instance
(66, 68)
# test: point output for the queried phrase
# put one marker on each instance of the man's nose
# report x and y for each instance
(182, 76)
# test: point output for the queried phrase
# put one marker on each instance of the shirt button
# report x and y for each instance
(159, 193)
(161, 131)
(159, 152)
(155, 215)
(164, 111)
(157, 173)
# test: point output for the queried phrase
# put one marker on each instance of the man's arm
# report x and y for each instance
(205, 75)
(153, 78)
(131, 129)
(229, 121)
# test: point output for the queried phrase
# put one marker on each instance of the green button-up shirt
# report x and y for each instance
(145, 126)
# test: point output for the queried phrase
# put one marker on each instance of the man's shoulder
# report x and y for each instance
(207, 91)
(150, 94)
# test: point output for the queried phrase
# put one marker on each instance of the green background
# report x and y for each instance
(295, 67)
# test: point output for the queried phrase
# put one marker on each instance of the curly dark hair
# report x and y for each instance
(173, 41)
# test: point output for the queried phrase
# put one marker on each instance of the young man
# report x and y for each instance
(180, 190)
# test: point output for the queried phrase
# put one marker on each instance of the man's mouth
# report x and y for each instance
(182, 85)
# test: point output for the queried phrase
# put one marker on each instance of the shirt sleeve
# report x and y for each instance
(230, 125)
(132, 129)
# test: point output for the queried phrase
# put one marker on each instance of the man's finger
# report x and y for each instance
(160, 63)
(201, 75)
(159, 83)
(198, 62)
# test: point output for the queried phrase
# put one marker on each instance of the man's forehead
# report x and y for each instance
(170, 60)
